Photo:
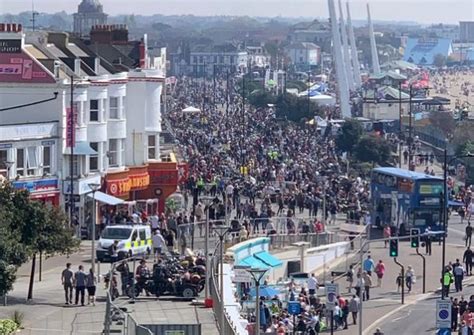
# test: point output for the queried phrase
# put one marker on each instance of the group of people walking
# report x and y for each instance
(78, 282)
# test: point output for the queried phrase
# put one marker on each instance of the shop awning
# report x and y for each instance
(268, 259)
(81, 148)
(105, 198)
(254, 262)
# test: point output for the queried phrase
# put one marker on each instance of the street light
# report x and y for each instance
(257, 274)
(207, 201)
(94, 188)
(221, 232)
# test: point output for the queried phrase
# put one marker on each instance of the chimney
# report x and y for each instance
(119, 34)
(77, 66)
(101, 34)
(57, 66)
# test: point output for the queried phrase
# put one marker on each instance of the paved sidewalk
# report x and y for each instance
(47, 314)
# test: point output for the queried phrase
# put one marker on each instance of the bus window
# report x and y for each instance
(425, 218)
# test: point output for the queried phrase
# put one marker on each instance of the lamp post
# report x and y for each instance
(257, 274)
(94, 188)
(221, 232)
(207, 201)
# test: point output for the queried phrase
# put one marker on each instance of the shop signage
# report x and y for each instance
(70, 126)
(37, 185)
(139, 181)
(10, 46)
(81, 187)
(18, 67)
(118, 187)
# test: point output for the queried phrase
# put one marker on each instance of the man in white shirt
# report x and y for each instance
(154, 222)
(312, 284)
(158, 244)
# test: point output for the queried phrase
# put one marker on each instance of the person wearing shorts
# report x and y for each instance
(91, 282)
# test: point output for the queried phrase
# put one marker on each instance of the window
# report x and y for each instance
(75, 165)
(32, 160)
(142, 235)
(3, 163)
(20, 162)
(221, 59)
(94, 159)
(232, 59)
(113, 152)
(114, 108)
(215, 59)
(151, 147)
(201, 59)
(94, 111)
(195, 59)
(46, 160)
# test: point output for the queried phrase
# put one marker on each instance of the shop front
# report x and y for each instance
(44, 190)
(144, 188)
(82, 203)
(126, 184)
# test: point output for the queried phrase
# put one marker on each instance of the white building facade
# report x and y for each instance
(117, 122)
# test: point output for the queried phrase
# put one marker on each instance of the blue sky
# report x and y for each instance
(424, 11)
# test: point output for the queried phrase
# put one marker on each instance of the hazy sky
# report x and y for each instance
(424, 11)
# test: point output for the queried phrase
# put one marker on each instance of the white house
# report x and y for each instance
(304, 54)
(116, 121)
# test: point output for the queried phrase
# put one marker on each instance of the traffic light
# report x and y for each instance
(415, 237)
(393, 248)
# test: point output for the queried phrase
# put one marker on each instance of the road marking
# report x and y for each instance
(422, 297)
(402, 317)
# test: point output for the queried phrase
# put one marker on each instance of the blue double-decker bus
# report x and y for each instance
(406, 199)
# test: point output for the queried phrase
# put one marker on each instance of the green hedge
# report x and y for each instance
(7, 327)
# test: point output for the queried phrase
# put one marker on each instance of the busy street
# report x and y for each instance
(234, 169)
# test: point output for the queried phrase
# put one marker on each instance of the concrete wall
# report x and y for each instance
(315, 259)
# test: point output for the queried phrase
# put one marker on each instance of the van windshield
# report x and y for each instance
(116, 233)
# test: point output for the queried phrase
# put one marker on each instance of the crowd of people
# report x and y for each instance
(239, 152)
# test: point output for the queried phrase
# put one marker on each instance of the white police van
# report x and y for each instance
(133, 240)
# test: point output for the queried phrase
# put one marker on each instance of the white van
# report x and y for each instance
(132, 240)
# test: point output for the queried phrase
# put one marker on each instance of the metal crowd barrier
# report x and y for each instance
(117, 320)
(218, 305)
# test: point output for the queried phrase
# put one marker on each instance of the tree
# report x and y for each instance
(27, 228)
(439, 60)
(443, 121)
(261, 99)
(372, 149)
(295, 108)
(351, 132)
